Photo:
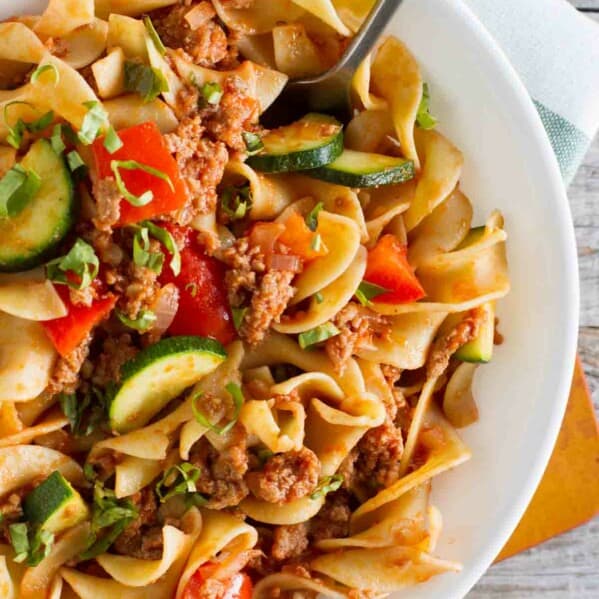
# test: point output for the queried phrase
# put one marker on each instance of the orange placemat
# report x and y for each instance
(568, 494)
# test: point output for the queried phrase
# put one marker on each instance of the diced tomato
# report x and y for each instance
(145, 144)
(302, 242)
(203, 306)
(239, 586)
(69, 331)
(388, 267)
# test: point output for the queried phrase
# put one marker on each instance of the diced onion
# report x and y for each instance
(199, 15)
(264, 235)
(165, 308)
(285, 262)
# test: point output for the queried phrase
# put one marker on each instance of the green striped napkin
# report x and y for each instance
(555, 49)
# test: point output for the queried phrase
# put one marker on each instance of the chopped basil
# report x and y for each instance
(235, 202)
(235, 392)
(168, 241)
(81, 261)
(179, 480)
(17, 131)
(316, 243)
(131, 165)
(94, 121)
(86, 411)
(319, 297)
(368, 291)
(110, 516)
(112, 141)
(17, 188)
(317, 334)
(212, 92)
(154, 35)
(253, 142)
(43, 69)
(142, 323)
(147, 81)
(238, 317)
(264, 455)
(424, 118)
(30, 545)
(141, 251)
(327, 485)
(192, 288)
(75, 161)
(312, 216)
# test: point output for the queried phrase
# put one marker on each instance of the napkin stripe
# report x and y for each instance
(568, 142)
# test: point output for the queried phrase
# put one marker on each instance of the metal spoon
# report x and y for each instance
(330, 92)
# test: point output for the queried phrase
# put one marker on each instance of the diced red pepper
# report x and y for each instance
(145, 144)
(300, 240)
(388, 267)
(69, 331)
(239, 586)
(203, 306)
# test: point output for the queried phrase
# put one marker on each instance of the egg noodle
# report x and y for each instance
(232, 358)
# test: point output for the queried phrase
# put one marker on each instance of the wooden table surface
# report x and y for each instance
(566, 567)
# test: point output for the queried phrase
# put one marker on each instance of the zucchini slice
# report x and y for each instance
(313, 141)
(481, 348)
(157, 375)
(54, 505)
(29, 238)
(363, 169)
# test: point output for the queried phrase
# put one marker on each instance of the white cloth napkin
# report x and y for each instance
(555, 49)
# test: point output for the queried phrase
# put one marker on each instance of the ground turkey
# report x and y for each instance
(286, 477)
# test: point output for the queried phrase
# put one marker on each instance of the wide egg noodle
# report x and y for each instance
(54, 421)
(22, 464)
(129, 7)
(27, 358)
(134, 572)
(361, 86)
(63, 16)
(261, 17)
(130, 110)
(332, 299)
(353, 12)
(290, 583)
(40, 580)
(441, 169)
(295, 53)
(222, 540)
(341, 237)
(129, 35)
(109, 74)
(325, 11)
(132, 474)
(395, 77)
(442, 230)
(29, 295)
(85, 44)
(384, 569)
(459, 406)
(11, 573)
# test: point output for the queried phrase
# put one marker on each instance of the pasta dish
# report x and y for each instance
(232, 357)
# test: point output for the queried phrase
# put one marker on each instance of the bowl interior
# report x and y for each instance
(485, 111)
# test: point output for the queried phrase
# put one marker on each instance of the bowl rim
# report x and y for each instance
(567, 245)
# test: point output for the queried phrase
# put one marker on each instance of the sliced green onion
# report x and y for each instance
(316, 243)
(41, 123)
(141, 251)
(212, 92)
(16, 132)
(154, 35)
(81, 260)
(19, 539)
(366, 292)
(327, 485)
(142, 323)
(312, 216)
(317, 334)
(253, 142)
(74, 160)
(235, 392)
(424, 118)
(319, 297)
(56, 140)
(112, 141)
(43, 69)
(238, 317)
(168, 241)
(131, 165)
(147, 81)
(94, 121)
(235, 202)
(41, 545)
(17, 188)
(178, 480)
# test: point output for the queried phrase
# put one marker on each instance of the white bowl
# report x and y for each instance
(484, 109)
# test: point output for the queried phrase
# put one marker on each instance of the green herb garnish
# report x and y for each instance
(317, 334)
(236, 202)
(424, 118)
(179, 480)
(212, 92)
(43, 69)
(168, 241)
(235, 392)
(17, 188)
(312, 216)
(366, 292)
(81, 261)
(238, 317)
(86, 412)
(112, 141)
(147, 81)
(131, 165)
(142, 322)
(327, 485)
(253, 142)
(95, 119)
(154, 35)
(30, 545)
